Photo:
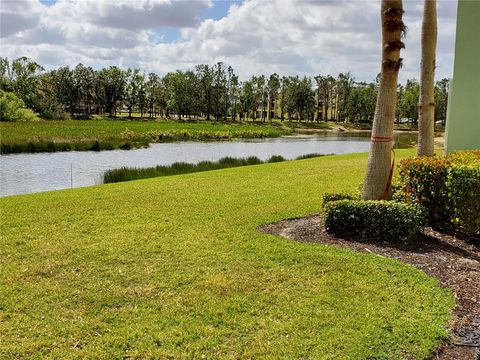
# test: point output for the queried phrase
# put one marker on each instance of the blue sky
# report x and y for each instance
(218, 10)
(289, 37)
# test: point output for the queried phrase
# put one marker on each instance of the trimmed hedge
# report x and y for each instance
(422, 182)
(371, 219)
(463, 186)
(449, 187)
(329, 197)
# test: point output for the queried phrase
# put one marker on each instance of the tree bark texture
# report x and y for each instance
(379, 165)
(426, 104)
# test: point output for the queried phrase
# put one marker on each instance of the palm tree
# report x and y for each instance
(379, 166)
(426, 103)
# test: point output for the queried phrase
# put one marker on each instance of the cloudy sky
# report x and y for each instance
(254, 36)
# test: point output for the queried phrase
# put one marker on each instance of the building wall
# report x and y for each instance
(463, 114)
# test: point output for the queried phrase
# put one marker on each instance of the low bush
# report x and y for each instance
(12, 108)
(422, 181)
(449, 187)
(463, 187)
(371, 219)
(276, 158)
(329, 197)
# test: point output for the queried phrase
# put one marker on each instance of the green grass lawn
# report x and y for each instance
(174, 267)
(111, 134)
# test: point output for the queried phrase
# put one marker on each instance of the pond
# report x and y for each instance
(29, 173)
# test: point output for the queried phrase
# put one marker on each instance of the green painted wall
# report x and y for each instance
(463, 114)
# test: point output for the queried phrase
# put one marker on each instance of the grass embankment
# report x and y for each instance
(48, 136)
(132, 173)
(174, 267)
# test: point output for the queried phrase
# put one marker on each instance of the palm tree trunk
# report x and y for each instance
(378, 173)
(426, 105)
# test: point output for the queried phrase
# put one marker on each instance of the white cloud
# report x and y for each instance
(257, 36)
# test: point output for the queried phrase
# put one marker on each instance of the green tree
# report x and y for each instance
(25, 80)
(134, 83)
(112, 82)
(84, 83)
(409, 102)
(360, 106)
(219, 90)
(205, 76)
(65, 89)
(273, 85)
(344, 88)
(12, 108)
(441, 100)
(6, 75)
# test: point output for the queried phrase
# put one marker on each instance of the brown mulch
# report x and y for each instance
(452, 260)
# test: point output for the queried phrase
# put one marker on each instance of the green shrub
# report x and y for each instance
(470, 158)
(463, 186)
(53, 112)
(422, 182)
(371, 219)
(448, 187)
(12, 108)
(329, 197)
(276, 158)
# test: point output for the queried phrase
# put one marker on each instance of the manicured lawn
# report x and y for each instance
(110, 134)
(173, 267)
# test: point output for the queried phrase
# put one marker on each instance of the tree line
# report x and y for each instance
(205, 92)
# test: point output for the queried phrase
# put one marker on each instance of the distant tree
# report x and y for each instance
(400, 93)
(441, 100)
(204, 75)
(133, 86)
(6, 75)
(325, 91)
(283, 88)
(344, 88)
(273, 85)
(409, 102)
(84, 82)
(153, 93)
(219, 86)
(258, 83)
(66, 91)
(142, 95)
(360, 106)
(12, 108)
(25, 80)
(290, 97)
(113, 86)
(247, 99)
(49, 106)
(180, 92)
(305, 99)
(233, 93)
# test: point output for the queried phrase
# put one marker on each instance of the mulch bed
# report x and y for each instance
(455, 262)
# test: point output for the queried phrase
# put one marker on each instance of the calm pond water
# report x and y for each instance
(28, 173)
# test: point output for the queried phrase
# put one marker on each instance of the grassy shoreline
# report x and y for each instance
(84, 135)
(179, 168)
(123, 133)
(175, 267)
